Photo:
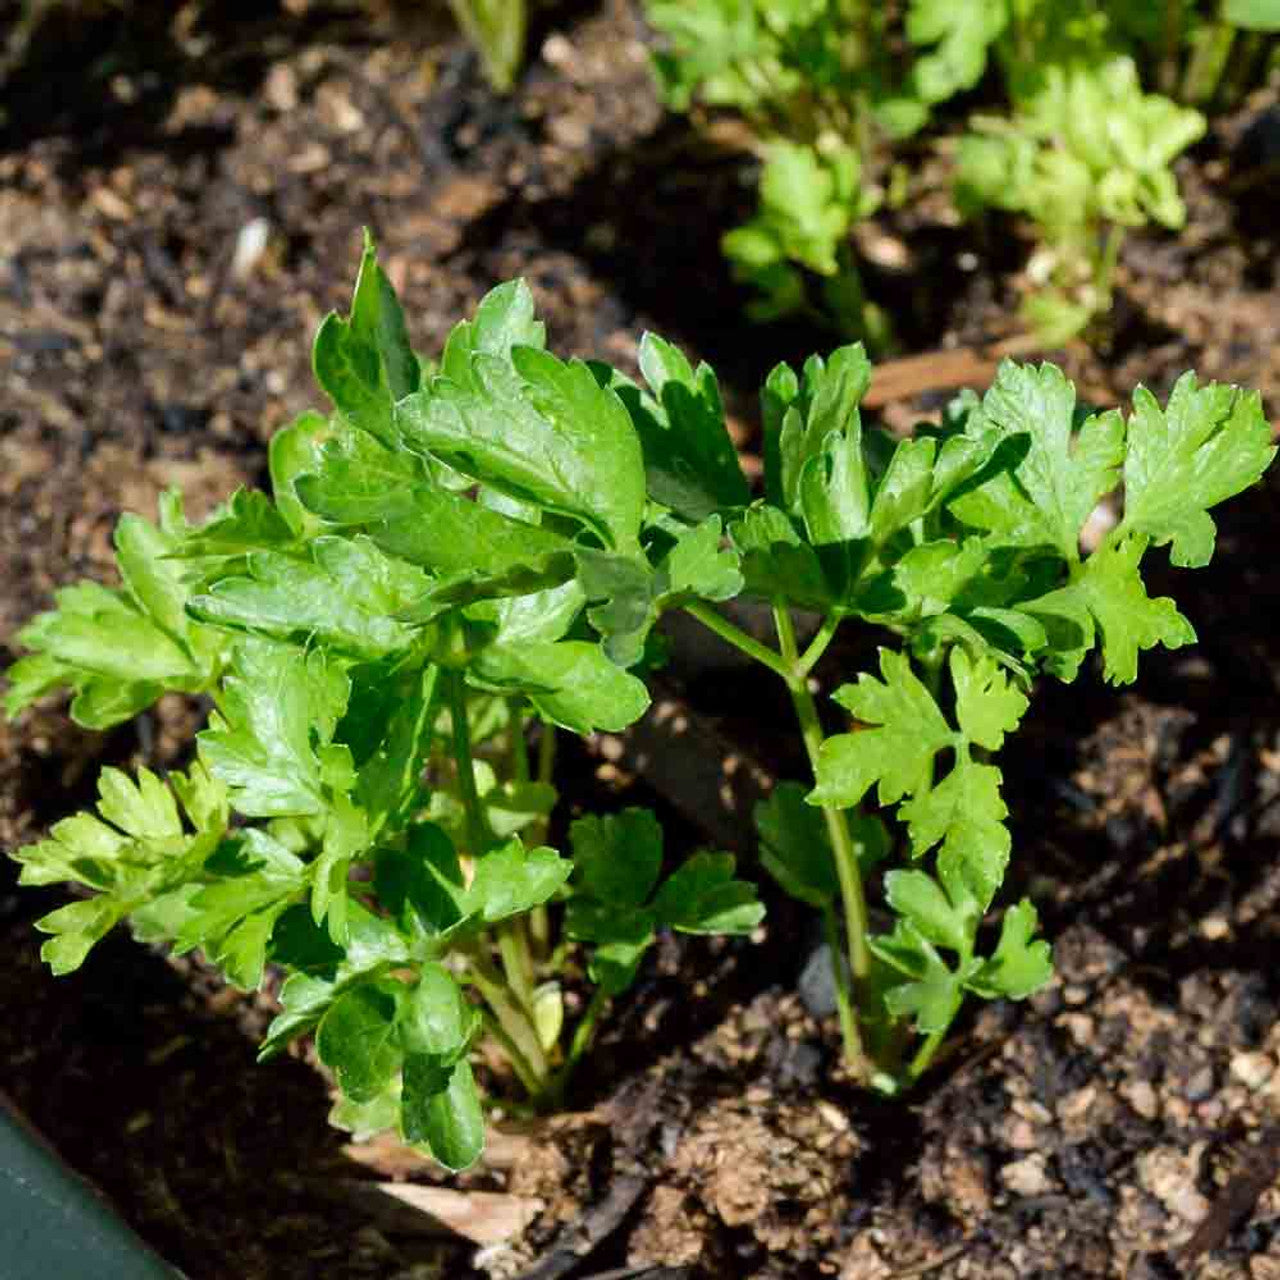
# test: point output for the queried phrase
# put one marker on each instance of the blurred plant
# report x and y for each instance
(1086, 155)
(1074, 141)
(814, 80)
(498, 30)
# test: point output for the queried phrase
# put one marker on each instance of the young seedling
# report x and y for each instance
(830, 88)
(816, 85)
(1081, 183)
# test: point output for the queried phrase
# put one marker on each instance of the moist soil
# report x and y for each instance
(177, 215)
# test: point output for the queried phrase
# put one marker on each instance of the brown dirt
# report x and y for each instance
(1123, 1123)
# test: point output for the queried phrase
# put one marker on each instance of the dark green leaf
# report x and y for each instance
(345, 595)
(543, 431)
(279, 709)
(362, 485)
(1207, 445)
(448, 1122)
(699, 566)
(1019, 967)
(365, 363)
(690, 461)
(358, 1038)
(776, 563)
(511, 879)
(1052, 479)
(295, 450)
(702, 896)
(570, 682)
(503, 320)
(619, 855)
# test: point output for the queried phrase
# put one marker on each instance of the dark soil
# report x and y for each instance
(1123, 1123)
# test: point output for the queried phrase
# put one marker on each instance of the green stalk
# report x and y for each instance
(583, 1035)
(818, 645)
(539, 920)
(924, 1055)
(844, 989)
(522, 1067)
(519, 747)
(726, 630)
(512, 1001)
(855, 906)
(547, 752)
(479, 834)
(794, 671)
(1107, 263)
(1168, 74)
(529, 1060)
(1208, 62)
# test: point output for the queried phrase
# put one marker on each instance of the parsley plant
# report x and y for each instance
(1068, 135)
(453, 554)
(375, 639)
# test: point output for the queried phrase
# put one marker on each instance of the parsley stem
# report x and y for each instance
(517, 963)
(518, 1028)
(479, 834)
(726, 630)
(1107, 262)
(519, 1063)
(817, 646)
(846, 857)
(513, 942)
(583, 1035)
(840, 972)
(539, 918)
(924, 1055)
(547, 752)
(519, 747)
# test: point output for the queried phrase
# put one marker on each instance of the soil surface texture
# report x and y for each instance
(176, 217)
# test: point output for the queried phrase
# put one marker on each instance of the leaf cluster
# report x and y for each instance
(459, 551)
(1070, 133)
(444, 560)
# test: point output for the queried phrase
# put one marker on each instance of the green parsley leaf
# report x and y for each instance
(1019, 967)
(544, 432)
(1207, 445)
(795, 847)
(933, 994)
(359, 1039)
(571, 683)
(365, 363)
(702, 896)
(1110, 592)
(511, 879)
(120, 650)
(1051, 480)
(271, 741)
(690, 461)
(618, 855)
(896, 752)
(247, 521)
(137, 848)
(961, 33)
(362, 485)
(346, 594)
(503, 320)
(449, 1122)
(699, 566)
(292, 452)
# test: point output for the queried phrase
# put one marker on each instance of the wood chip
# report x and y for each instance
(417, 1209)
